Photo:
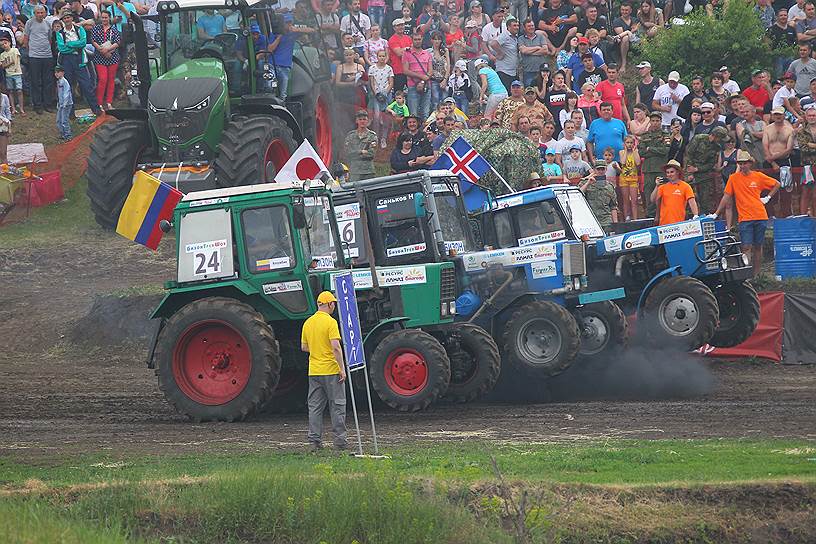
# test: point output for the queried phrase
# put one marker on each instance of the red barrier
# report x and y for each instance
(766, 342)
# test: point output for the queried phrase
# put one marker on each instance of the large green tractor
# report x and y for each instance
(209, 111)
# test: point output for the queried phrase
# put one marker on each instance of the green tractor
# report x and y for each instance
(209, 113)
(250, 263)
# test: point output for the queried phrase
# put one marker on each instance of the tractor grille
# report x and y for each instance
(574, 258)
(709, 233)
(447, 284)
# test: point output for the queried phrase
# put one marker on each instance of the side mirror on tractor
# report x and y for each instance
(419, 205)
(299, 213)
(165, 226)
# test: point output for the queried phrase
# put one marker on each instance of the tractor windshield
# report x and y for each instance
(268, 239)
(317, 238)
(578, 213)
(538, 223)
(453, 218)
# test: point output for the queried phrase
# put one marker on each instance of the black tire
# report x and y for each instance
(115, 151)
(548, 322)
(242, 152)
(739, 314)
(206, 318)
(289, 396)
(680, 312)
(407, 349)
(475, 362)
(603, 328)
(319, 125)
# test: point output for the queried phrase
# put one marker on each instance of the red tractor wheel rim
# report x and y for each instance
(323, 131)
(406, 372)
(275, 157)
(212, 363)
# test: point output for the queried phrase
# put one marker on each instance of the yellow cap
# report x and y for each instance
(325, 297)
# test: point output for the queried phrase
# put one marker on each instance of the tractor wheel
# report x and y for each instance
(603, 328)
(541, 339)
(739, 314)
(115, 151)
(217, 360)
(680, 312)
(409, 370)
(318, 122)
(253, 150)
(475, 362)
(289, 397)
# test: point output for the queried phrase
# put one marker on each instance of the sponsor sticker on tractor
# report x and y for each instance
(387, 277)
(282, 287)
(272, 264)
(543, 269)
(614, 243)
(544, 237)
(679, 231)
(641, 239)
(406, 250)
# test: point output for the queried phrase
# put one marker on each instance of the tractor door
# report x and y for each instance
(398, 234)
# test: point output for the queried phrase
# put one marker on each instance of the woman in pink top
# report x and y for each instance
(374, 45)
(589, 103)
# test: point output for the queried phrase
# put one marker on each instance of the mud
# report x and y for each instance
(69, 385)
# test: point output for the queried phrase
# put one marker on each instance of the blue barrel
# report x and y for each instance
(794, 244)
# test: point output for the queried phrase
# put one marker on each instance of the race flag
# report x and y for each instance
(464, 161)
(148, 202)
(305, 163)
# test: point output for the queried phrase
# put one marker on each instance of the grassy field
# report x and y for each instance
(622, 491)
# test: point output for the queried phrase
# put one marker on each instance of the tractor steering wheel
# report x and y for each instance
(225, 43)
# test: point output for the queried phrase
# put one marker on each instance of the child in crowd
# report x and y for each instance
(65, 101)
(398, 110)
(612, 166)
(552, 172)
(574, 166)
(381, 82)
(459, 86)
(10, 60)
(629, 177)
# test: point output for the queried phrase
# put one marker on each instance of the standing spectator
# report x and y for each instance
(728, 159)
(702, 154)
(765, 12)
(328, 22)
(473, 40)
(547, 135)
(404, 155)
(717, 93)
(677, 142)
(552, 170)
(542, 81)
(459, 86)
(477, 16)
(347, 79)
(709, 121)
(505, 49)
(591, 74)
(671, 197)
(750, 132)
(564, 55)
(556, 98)
(27, 8)
(381, 83)
(416, 64)
(357, 24)
(376, 12)
(648, 83)
(446, 127)
(40, 60)
(654, 150)
(10, 61)
(430, 22)
(320, 338)
(360, 147)
(581, 128)
(806, 28)
(508, 106)
(105, 40)
(574, 167)
(492, 90)
(398, 109)
(650, 17)
(282, 47)
(782, 36)
(5, 127)
(777, 141)
(588, 102)
(491, 31)
(592, 20)
(804, 68)
(575, 65)
(532, 109)
(757, 92)
(810, 99)
(440, 69)
(534, 49)
(568, 141)
(373, 45)
(796, 12)
(65, 103)
(425, 155)
(398, 44)
(595, 45)
(71, 42)
(629, 177)
(626, 30)
(559, 21)
(698, 91)
(601, 197)
(785, 96)
(611, 90)
(605, 132)
(806, 138)
(743, 189)
(639, 124)
(519, 9)
(455, 39)
(728, 84)
(667, 98)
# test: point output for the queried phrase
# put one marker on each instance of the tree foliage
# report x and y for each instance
(733, 37)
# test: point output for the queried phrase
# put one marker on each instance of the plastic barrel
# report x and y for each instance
(794, 244)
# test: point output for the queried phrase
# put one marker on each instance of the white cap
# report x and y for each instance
(674, 76)
(461, 64)
(706, 106)
(645, 64)
(479, 62)
(397, 21)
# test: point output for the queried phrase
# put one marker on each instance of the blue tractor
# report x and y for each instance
(687, 282)
(524, 296)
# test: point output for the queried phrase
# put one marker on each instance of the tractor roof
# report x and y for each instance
(207, 4)
(248, 189)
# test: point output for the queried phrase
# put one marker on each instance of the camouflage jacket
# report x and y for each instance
(602, 200)
(654, 148)
(702, 153)
(506, 109)
(359, 162)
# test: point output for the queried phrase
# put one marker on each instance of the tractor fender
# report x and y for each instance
(384, 324)
(268, 108)
(672, 271)
(173, 302)
(129, 114)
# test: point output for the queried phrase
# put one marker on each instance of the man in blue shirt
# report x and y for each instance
(575, 65)
(121, 13)
(283, 46)
(605, 132)
(210, 25)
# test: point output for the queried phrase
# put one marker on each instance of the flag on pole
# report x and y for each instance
(148, 202)
(304, 163)
(464, 161)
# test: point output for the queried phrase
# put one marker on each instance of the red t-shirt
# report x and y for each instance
(450, 38)
(757, 97)
(615, 94)
(397, 40)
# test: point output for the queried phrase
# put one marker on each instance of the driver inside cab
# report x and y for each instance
(210, 25)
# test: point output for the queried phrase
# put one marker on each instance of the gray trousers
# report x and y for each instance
(327, 390)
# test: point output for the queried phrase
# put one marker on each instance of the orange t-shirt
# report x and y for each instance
(746, 191)
(673, 198)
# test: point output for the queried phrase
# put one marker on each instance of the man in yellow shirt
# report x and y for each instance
(327, 372)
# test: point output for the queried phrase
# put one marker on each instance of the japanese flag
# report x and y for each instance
(304, 164)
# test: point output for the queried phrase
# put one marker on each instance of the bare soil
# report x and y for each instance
(64, 391)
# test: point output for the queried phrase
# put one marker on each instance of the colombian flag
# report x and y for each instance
(149, 202)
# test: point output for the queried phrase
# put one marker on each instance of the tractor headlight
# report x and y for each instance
(444, 309)
(453, 307)
(745, 259)
(576, 283)
(204, 104)
(724, 263)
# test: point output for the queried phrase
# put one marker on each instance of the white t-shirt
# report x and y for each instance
(795, 13)
(564, 145)
(731, 86)
(346, 25)
(380, 77)
(781, 95)
(490, 32)
(663, 97)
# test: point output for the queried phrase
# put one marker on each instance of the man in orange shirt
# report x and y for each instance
(672, 195)
(744, 188)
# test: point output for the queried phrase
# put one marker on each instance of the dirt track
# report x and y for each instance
(58, 397)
